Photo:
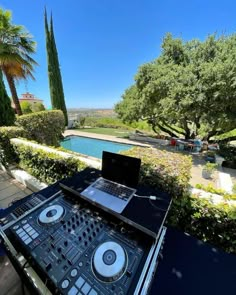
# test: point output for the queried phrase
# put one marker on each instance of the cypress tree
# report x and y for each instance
(54, 73)
(7, 115)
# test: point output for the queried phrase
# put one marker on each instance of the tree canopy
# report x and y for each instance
(7, 114)
(16, 47)
(189, 90)
(54, 73)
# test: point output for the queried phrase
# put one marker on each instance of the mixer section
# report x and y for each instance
(76, 248)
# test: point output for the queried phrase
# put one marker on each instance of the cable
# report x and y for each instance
(153, 198)
(156, 207)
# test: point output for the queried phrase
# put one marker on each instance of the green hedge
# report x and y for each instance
(198, 217)
(168, 171)
(44, 127)
(7, 153)
(47, 166)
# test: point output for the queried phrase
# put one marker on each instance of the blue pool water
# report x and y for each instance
(92, 147)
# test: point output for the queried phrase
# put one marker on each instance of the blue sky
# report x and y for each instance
(102, 43)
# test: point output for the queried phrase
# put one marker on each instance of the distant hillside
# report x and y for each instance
(73, 113)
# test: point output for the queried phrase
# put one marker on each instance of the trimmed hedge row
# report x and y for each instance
(210, 223)
(168, 171)
(7, 153)
(44, 127)
(47, 166)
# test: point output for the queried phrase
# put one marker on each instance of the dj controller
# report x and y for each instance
(77, 248)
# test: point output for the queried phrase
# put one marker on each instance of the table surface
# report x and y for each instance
(189, 266)
(148, 214)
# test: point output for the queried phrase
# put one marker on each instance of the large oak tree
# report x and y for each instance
(189, 90)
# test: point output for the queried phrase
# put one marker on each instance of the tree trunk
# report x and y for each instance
(212, 133)
(167, 131)
(173, 129)
(12, 87)
(187, 130)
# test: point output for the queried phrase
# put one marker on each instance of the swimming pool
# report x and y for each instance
(92, 147)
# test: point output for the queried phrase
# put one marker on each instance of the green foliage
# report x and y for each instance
(162, 169)
(210, 223)
(209, 188)
(16, 48)
(25, 107)
(107, 131)
(7, 115)
(37, 107)
(82, 121)
(7, 153)
(228, 152)
(54, 73)
(28, 108)
(191, 85)
(44, 127)
(105, 122)
(47, 166)
(210, 167)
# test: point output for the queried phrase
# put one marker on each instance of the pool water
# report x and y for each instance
(92, 147)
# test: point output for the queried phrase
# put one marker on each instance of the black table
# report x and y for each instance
(146, 214)
(191, 267)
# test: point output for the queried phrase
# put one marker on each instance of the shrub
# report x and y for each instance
(162, 169)
(7, 153)
(229, 153)
(47, 166)
(25, 107)
(44, 127)
(210, 223)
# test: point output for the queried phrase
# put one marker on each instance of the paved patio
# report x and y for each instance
(11, 190)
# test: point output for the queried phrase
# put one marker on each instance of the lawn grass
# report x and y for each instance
(107, 131)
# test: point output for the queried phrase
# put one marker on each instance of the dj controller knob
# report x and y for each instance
(65, 243)
(73, 226)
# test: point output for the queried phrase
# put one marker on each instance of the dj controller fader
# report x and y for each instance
(77, 248)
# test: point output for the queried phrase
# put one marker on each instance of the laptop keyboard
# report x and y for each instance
(114, 189)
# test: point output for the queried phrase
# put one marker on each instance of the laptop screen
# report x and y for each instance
(121, 169)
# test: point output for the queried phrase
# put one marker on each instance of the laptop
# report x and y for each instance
(120, 176)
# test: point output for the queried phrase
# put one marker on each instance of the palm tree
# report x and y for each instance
(16, 45)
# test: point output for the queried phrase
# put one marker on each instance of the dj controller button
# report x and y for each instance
(35, 235)
(31, 232)
(19, 231)
(74, 272)
(80, 264)
(86, 288)
(26, 226)
(93, 292)
(27, 241)
(65, 284)
(73, 291)
(24, 236)
(79, 283)
(24, 221)
(15, 227)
